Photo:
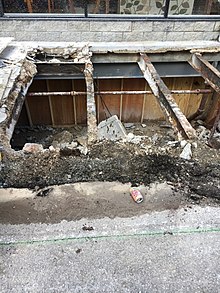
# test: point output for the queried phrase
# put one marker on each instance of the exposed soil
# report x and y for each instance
(152, 160)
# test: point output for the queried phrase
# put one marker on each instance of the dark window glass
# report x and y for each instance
(124, 7)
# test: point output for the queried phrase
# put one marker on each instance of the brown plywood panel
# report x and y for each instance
(152, 110)
(180, 83)
(132, 104)
(112, 102)
(38, 85)
(39, 106)
(62, 106)
(79, 85)
(194, 99)
(215, 107)
(39, 110)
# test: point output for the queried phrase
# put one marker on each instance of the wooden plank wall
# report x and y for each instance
(67, 110)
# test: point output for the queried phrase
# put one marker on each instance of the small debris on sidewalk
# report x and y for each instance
(44, 192)
(87, 228)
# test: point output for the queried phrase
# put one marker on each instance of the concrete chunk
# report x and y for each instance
(111, 129)
(187, 152)
(33, 148)
(3, 115)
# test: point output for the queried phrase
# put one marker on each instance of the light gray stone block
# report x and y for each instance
(184, 26)
(174, 36)
(163, 26)
(154, 36)
(49, 36)
(112, 26)
(204, 26)
(142, 26)
(91, 37)
(112, 37)
(26, 36)
(55, 26)
(211, 36)
(191, 36)
(217, 26)
(133, 36)
(7, 34)
(12, 25)
(70, 36)
(78, 26)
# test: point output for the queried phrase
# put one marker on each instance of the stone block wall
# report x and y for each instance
(108, 30)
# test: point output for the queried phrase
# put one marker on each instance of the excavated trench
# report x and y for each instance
(155, 158)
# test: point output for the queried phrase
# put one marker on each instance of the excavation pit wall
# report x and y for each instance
(154, 159)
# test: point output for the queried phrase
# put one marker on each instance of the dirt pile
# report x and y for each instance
(123, 162)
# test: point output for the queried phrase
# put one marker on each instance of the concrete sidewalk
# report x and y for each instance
(169, 251)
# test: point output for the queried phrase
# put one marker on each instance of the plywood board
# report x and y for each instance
(39, 106)
(132, 104)
(178, 83)
(81, 116)
(62, 106)
(129, 106)
(108, 103)
(152, 110)
(194, 99)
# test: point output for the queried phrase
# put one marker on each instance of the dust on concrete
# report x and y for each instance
(85, 200)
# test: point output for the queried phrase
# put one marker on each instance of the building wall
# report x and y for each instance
(108, 30)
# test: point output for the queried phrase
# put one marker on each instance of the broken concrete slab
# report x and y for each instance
(63, 137)
(3, 115)
(129, 125)
(4, 43)
(136, 139)
(33, 148)
(187, 152)
(111, 129)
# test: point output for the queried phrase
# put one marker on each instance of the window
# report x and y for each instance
(114, 7)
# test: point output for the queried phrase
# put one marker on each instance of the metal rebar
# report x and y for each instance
(74, 93)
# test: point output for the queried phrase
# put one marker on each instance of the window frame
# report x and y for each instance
(86, 15)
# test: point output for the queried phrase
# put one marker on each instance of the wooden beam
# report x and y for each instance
(143, 105)
(121, 100)
(50, 104)
(28, 113)
(217, 119)
(91, 108)
(207, 71)
(74, 104)
(165, 99)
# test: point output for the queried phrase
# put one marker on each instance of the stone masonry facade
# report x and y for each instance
(76, 30)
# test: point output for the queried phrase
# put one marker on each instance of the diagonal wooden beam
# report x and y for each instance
(207, 71)
(91, 108)
(165, 99)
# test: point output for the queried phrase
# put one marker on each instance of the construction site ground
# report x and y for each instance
(69, 224)
(92, 237)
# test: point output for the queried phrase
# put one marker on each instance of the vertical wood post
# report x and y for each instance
(91, 108)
